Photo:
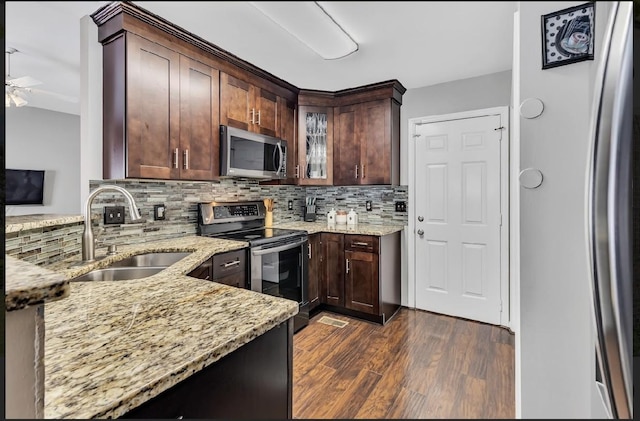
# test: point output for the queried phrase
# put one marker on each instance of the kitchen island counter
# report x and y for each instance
(114, 345)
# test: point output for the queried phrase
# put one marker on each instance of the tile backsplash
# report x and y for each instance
(181, 197)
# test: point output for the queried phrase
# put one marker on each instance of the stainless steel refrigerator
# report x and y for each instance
(610, 222)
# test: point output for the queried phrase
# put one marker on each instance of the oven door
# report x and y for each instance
(281, 270)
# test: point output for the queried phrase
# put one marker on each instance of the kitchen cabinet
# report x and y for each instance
(362, 275)
(366, 143)
(161, 112)
(248, 107)
(287, 112)
(316, 270)
(228, 268)
(315, 145)
(253, 382)
(332, 287)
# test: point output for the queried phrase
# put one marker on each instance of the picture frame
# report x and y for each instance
(567, 35)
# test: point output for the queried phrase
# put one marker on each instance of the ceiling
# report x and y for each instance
(418, 43)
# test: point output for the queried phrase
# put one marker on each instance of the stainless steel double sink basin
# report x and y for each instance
(133, 267)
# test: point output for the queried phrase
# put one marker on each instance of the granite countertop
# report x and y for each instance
(112, 345)
(26, 222)
(27, 284)
(362, 229)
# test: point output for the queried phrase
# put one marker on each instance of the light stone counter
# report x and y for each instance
(113, 345)
(26, 222)
(361, 229)
(27, 284)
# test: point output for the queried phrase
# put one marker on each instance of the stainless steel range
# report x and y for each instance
(278, 259)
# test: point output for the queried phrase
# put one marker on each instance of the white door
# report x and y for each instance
(457, 244)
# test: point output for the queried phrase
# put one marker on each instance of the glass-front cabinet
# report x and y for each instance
(315, 145)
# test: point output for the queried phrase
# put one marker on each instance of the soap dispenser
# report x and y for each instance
(331, 217)
(352, 217)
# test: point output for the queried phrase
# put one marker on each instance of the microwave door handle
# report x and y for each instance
(281, 158)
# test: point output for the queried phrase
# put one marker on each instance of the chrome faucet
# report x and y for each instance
(88, 245)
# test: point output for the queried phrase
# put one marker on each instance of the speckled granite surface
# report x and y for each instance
(27, 284)
(26, 222)
(362, 229)
(112, 345)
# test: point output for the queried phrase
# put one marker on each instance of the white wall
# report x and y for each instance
(38, 139)
(555, 349)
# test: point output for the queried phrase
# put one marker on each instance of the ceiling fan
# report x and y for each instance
(17, 89)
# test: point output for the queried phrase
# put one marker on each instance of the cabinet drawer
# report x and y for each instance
(229, 263)
(366, 243)
(238, 280)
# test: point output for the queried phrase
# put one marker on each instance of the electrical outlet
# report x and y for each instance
(401, 206)
(368, 206)
(290, 205)
(159, 212)
(113, 215)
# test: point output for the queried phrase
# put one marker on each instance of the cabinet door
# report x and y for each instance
(375, 142)
(346, 148)
(153, 109)
(287, 112)
(266, 113)
(236, 102)
(361, 282)
(315, 145)
(203, 271)
(315, 269)
(332, 289)
(199, 154)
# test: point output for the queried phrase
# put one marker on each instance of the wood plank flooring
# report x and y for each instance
(420, 365)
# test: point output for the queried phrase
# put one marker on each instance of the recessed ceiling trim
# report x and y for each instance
(310, 23)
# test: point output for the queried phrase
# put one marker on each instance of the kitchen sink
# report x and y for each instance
(118, 274)
(151, 260)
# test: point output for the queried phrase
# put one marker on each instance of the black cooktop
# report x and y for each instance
(261, 235)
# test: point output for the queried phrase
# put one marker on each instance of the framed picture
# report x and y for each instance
(567, 35)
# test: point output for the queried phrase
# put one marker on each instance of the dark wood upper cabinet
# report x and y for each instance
(287, 111)
(199, 120)
(366, 149)
(152, 106)
(161, 113)
(248, 107)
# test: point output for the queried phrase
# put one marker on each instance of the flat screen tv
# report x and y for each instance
(24, 187)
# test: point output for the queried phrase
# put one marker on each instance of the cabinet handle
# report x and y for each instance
(234, 263)
(186, 159)
(298, 171)
(358, 243)
(309, 251)
(206, 278)
(258, 117)
(253, 116)
(175, 158)
(362, 170)
(356, 170)
(347, 265)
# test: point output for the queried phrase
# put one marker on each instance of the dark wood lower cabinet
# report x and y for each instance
(228, 268)
(332, 287)
(360, 275)
(253, 382)
(316, 272)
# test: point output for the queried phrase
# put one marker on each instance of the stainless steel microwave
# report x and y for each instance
(251, 155)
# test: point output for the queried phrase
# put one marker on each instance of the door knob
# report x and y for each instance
(420, 232)
(420, 218)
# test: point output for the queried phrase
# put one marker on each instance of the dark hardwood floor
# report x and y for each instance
(420, 365)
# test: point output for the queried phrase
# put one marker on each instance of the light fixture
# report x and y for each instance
(10, 95)
(312, 25)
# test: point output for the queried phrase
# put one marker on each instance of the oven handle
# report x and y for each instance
(261, 252)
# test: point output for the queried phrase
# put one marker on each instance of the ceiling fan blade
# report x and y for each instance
(23, 82)
(54, 94)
